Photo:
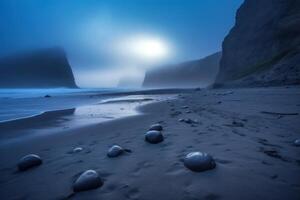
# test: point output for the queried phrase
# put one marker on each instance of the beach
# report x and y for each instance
(250, 133)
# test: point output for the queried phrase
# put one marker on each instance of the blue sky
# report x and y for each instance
(86, 28)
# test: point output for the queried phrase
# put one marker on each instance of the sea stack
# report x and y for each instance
(44, 68)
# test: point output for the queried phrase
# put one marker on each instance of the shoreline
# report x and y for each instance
(47, 122)
(254, 152)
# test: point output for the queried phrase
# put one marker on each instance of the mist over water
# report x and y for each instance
(106, 42)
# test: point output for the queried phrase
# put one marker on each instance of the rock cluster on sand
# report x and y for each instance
(115, 151)
(198, 161)
(154, 137)
(29, 161)
(156, 127)
(88, 180)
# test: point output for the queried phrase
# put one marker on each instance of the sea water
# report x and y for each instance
(22, 103)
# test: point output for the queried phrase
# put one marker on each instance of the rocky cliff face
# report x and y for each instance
(198, 73)
(263, 48)
(45, 68)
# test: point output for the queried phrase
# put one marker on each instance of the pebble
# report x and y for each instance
(115, 151)
(297, 142)
(156, 127)
(77, 149)
(29, 161)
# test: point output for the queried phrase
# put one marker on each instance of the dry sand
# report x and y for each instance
(253, 149)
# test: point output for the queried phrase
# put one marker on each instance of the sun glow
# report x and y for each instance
(146, 48)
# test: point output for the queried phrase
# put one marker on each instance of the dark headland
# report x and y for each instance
(43, 68)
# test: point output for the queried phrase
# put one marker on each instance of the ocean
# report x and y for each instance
(22, 103)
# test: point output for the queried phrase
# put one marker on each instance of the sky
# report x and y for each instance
(109, 40)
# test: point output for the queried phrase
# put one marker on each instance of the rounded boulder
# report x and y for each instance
(88, 180)
(154, 137)
(29, 161)
(198, 161)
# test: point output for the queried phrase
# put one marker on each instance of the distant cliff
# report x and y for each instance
(263, 48)
(198, 73)
(46, 68)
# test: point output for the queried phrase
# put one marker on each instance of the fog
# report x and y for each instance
(110, 40)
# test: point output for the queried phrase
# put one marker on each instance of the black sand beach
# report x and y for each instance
(249, 132)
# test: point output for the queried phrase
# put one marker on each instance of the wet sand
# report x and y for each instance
(245, 130)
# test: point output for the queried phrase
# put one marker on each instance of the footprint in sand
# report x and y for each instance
(133, 193)
(140, 167)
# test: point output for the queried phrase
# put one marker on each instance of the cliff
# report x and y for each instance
(263, 47)
(46, 68)
(198, 73)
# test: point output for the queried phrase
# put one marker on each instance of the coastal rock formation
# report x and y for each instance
(263, 47)
(29, 161)
(189, 74)
(46, 68)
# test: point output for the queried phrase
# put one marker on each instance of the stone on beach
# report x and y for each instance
(88, 180)
(77, 149)
(188, 121)
(115, 151)
(29, 161)
(154, 137)
(198, 161)
(297, 142)
(156, 127)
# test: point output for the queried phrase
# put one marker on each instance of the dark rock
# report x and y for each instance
(88, 180)
(297, 142)
(29, 161)
(154, 137)
(198, 162)
(188, 121)
(115, 151)
(77, 149)
(47, 96)
(156, 127)
(237, 124)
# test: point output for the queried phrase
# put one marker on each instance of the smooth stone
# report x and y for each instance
(156, 127)
(77, 149)
(154, 137)
(88, 180)
(115, 151)
(29, 161)
(297, 142)
(198, 161)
